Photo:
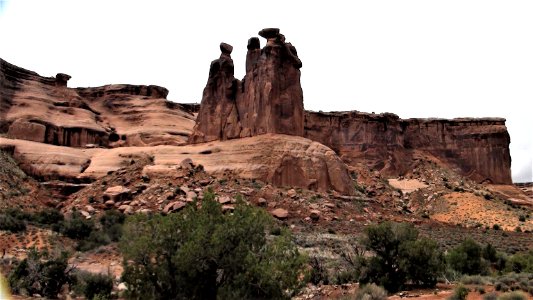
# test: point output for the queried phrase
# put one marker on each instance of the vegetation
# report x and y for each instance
(94, 286)
(371, 292)
(467, 259)
(400, 255)
(202, 253)
(11, 223)
(459, 293)
(40, 274)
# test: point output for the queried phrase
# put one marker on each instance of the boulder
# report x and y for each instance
(117, 193)
(314, 215)
(280, 213)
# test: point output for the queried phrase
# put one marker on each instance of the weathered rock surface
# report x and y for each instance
(269, 99)
(45, 110)
(280, 159)
(477, 148)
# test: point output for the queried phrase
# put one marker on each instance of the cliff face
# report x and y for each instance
(268, 100)
(478, 148)
(45, 110)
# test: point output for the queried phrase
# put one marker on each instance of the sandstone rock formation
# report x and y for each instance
(477, 148)
(45, 110)
(269, 99)
(280, 159)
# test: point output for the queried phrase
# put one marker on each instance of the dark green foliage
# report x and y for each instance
(490, 253)
(371, 292)
(11, 223)
(520, 262)
(466, 258)
(48, 216)
(513, 296)
(319, 274)
(94, 285)
(423, 261)
(39, 274)
(77, 227)
(496, 227)
(490, 296)
(202, 253)
(90, 235)
(522, 218)
(399, 256)
(459, 293)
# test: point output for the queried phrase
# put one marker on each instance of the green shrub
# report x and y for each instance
(399, 256)
(77, 227)
(522, 218)
(10, 223)
(513, 296)
(490, 253)
(474, 279)
(500, 286)
(459, 293)
(48, 216)
(466, 258)
(94, 285)
(371, 292)
(480, 290)
(202, 253)
(319, 274)
(520, 262)
(496, 227)
(39, 274)
(490, 296)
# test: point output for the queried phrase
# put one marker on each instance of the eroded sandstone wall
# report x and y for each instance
(269, 98)
(478, 148)
(45, 110)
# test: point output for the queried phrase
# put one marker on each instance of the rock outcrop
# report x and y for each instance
(279, 159)
(45, 110)
(269, 99)
(477, 148)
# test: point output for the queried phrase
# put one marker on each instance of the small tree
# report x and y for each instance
(399, 256)
(202, 253)
(40, 274)
(466, 258)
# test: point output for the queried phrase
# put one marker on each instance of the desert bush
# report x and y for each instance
(500, 286)
(77, 227)
(490, 253)
(490, 296)
(399, 256)
(513, 296)
(371, 292)
(459, 293)
(480, 290)
(520, 262)
(94, 285)
(466, 258)
(474, 279)
(319, 273)
(40, 274)
(48, 216)
(202, 253)
(10, 223)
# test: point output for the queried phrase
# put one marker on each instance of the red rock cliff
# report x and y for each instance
(44, 109)
(268, 100)
(478, 148)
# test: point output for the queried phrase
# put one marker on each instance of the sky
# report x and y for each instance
(445, 59)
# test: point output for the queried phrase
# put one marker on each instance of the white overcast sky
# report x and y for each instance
(454, 58)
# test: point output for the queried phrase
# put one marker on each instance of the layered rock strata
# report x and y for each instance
(45, 110)
(269, 99)
(477, 148)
